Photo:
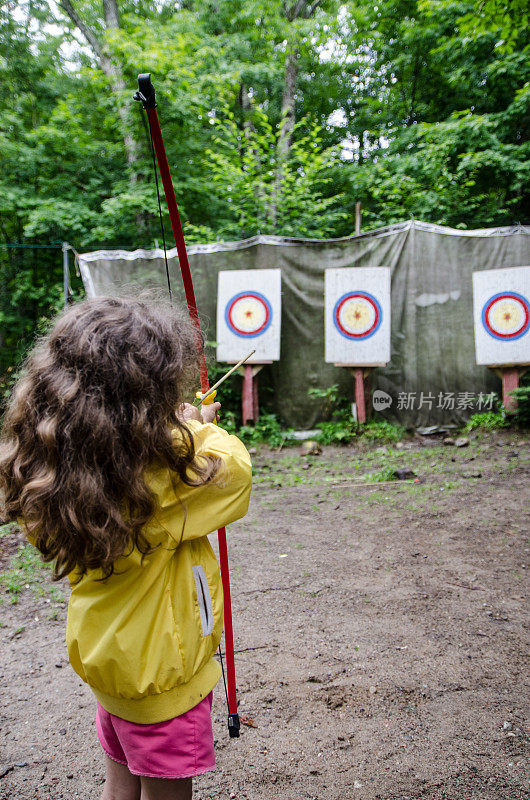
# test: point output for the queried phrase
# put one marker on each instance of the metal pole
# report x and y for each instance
(66, 274)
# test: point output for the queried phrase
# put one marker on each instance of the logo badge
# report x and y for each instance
(381, 400)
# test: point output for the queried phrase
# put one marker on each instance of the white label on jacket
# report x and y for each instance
(205, 601)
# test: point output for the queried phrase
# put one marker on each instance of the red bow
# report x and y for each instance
(146, 93)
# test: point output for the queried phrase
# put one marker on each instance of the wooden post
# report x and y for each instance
(361, 373)
(368, 393)
(510, 381)
(510, 375)
(357, 219)
(255, 399)
(248, 395)
(359, 394)
(249, 398)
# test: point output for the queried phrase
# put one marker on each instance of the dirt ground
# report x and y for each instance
(380, 629)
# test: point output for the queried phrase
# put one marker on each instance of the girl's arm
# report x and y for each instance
(188, 512)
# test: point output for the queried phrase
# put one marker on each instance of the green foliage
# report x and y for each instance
(7, 529)
(27, 571)
(410, 106)
(487, 421)
(333, 400)
(24, 570)
(508, 19)
(337, 431)
(268, 430)
(382, 431)
(522, 414)
(338, 425)
(259, 191)
(381, 475)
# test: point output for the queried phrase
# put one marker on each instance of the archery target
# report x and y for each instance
(357, 323)
(357, 315)
(249, 315)
(501, 299)
(506, 315)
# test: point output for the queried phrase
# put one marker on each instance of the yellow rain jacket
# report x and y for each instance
(144, 639)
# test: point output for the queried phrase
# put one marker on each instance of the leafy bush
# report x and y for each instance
(336, 431)
(382, 431)
(267, 429)
(338, 426)
(522, 415)
(487, 421)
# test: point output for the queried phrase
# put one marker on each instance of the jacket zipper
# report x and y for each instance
(204, 600)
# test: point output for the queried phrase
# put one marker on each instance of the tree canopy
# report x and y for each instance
(278, 117)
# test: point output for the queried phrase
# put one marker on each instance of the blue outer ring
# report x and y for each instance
(237, 297)
(365, 336)
(505, 338)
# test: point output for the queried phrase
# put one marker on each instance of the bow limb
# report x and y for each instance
(146, 94)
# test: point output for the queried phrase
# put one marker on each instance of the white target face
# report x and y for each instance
(249, 315)
(357, 320)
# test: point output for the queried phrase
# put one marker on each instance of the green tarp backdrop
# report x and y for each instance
(432, 377)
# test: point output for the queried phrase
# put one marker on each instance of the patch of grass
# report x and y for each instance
(26, 570)
(269, 430)
(487, 421)
(337, 425)
(382, 475)
(337, 431)
(416, 488)
(378, 497)
(448, 486)
(382, 431)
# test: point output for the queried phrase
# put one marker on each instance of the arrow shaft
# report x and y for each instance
(227, 375)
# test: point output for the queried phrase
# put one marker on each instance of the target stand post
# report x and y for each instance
(249, 395)
(510, 374)
(361, 374)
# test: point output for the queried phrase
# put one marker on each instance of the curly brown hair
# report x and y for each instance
(94, 407)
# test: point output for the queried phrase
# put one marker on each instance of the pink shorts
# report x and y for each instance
(177, 748)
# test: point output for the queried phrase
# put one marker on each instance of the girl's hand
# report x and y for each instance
(187, 411)
(209, 412)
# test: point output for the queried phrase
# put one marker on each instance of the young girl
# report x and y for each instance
(117, 482)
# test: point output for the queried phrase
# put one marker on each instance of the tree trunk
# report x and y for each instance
(111, 70)
(245, 103)
(300, 9)
(288, 101)
(248, 130)
(287, 123)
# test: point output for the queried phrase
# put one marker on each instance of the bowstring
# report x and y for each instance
(159, 209)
